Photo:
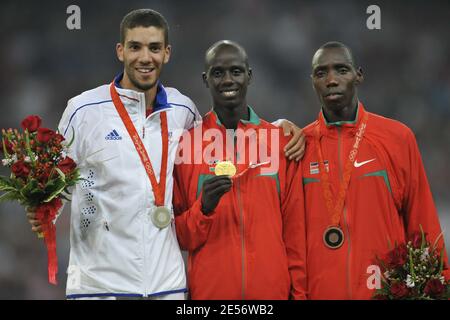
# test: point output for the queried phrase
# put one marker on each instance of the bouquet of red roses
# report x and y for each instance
(41, 173)
(413, 271)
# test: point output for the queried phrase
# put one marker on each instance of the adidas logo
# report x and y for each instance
(113, 135)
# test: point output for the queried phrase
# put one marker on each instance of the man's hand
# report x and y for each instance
(295, 149)
(213, 190)
(35, 224)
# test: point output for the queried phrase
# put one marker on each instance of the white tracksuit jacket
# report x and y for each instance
(115, 248)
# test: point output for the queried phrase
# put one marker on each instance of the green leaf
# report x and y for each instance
(63, 196)
(37, 196)
(57, 187)
(16, 183)
(61, 174)
(28, 148)
(73, 137)
(384, 283)
(12, 195)
(6, 185)
(389, 243)
(381, 262)
(4, 148)
(423, 237)
(437, 240)
(26, 189)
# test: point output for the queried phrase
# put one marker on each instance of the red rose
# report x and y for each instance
(20, 169)
(399, 290)
(43, 177)
(398, 256)
(44, 135)
(59, 138)
(434, 288)
(416, 239)
(32, 123)
(67, 165)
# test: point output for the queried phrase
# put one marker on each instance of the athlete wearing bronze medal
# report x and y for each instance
(364, 184)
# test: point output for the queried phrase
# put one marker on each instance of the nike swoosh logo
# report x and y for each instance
(359, 164)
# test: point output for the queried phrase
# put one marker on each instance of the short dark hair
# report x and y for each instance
(212, 50)
(340, 45)
(144, 18)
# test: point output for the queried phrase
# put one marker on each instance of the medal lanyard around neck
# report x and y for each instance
(336, 211)
(158, 189)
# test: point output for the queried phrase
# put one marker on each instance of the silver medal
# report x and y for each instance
(161, 217)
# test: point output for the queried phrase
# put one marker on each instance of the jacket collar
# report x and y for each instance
(351, 126)
(131, 97)
(212, 120)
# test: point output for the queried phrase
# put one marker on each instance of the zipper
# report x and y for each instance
(339, 152)
(149, 117)
(146, 225)
(349, 245)
(347, 275)
(144, 237)
(241, 218)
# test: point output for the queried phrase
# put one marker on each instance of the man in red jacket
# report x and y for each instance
(364, 183)
(238, 201)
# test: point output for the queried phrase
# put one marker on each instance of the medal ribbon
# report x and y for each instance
(158, 189)
(336, 210)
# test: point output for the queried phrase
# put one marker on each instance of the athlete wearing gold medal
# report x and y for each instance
(243, 226)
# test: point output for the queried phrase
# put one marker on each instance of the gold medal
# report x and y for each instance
(225, 168)
(333, 237)
(161, 217)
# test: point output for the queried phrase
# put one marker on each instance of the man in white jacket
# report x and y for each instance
(123, 241)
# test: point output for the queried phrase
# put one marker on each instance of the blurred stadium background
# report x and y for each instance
(43, 64)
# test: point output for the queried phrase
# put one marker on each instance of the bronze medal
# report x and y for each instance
(333, 237)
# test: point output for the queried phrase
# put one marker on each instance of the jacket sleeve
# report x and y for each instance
(294, 230)
(418, 205)
(193, 117)
(68, 127)
(191, 224)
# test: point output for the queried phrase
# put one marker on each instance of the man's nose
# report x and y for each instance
(145, 56)
(331, 80)
(227, 78)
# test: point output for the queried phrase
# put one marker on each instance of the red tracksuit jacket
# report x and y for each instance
(252, 246)
(387, 198)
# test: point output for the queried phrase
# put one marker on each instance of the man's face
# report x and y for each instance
(143, 54)
(227, 78)
(334, 78)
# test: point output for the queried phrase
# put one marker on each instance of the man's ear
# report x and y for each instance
(250, 75)
(205, 79)
(168, 50)
(359, 76)
(119, 51)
